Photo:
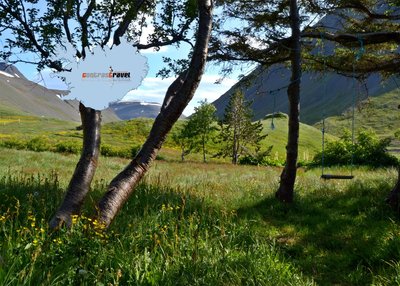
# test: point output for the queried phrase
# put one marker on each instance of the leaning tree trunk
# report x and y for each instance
(84, 171)
(393, 198)
(288, 176)
(177, 97)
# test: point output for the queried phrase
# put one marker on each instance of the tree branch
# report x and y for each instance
(127, 19)
(352, 40)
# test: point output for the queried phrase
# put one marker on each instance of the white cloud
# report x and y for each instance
(154, 89)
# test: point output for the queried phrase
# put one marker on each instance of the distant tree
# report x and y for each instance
(197, 131)
(202, 126)
(184, 139)
(237, 129)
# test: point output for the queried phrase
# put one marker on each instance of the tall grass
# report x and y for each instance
(162, 237)
(200, 224)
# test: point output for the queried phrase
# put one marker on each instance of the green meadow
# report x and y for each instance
(198, 224)
(120, 137)
(190, 223)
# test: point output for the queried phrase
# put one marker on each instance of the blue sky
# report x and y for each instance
(152, 88)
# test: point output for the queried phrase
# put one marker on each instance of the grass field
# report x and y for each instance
(132, 133)
(198, 224)
(380, 114)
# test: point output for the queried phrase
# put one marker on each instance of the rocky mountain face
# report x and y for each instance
(133, 109)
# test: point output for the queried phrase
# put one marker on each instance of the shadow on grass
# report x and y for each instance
(42, 194)
(335, 237)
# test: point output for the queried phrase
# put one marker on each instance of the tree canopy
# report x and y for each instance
(238, 132)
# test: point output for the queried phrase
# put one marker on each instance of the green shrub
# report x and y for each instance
(260, 158)
(116, 151)
(38, 144)
(368, 149)
(72, 147)
(13, 143)
(106, 150)
(135, 150)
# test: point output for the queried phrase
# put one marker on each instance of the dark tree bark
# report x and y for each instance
(84, 171)
(204, 149)
(288, 176)
(393, 198)
(177, 97)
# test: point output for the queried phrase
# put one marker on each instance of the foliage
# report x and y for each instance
(238, 132)
(201, 127)
(40, 144)
(367, 150)
(183, 138)
(121, 135)
(40, 30)
(257, 159)
(72, 147)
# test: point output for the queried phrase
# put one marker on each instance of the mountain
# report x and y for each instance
(328, 94)
(322, 94)
(380, 114)
(11, 70)
(133, 109)
(20, 96)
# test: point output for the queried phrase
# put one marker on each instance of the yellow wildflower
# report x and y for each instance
(74, 219)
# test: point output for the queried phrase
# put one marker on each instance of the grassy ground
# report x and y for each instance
(127, 134)
(380, 114)
(198, 224)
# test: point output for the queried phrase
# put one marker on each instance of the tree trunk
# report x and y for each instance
(177, 97)
(234, 147)
(183, 154)
(84, 171)
(204, 150)
(288, 176)
(394, 195)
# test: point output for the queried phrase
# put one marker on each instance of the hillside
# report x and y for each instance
(20, 96)
(380, 114)
(132, 133)
(328, 92)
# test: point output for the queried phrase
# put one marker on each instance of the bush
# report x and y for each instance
(115, 151)
(13, 143)
(38, 144)
(259, 159)
(368, 149)
(106, 150)
(72, 147)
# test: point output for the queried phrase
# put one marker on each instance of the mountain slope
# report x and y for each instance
(23, 96)
(325, 93)
(381, 114)
(133, 109)
(19, 96)
(330, 93)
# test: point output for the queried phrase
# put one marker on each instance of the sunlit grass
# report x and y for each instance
(198, 224)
